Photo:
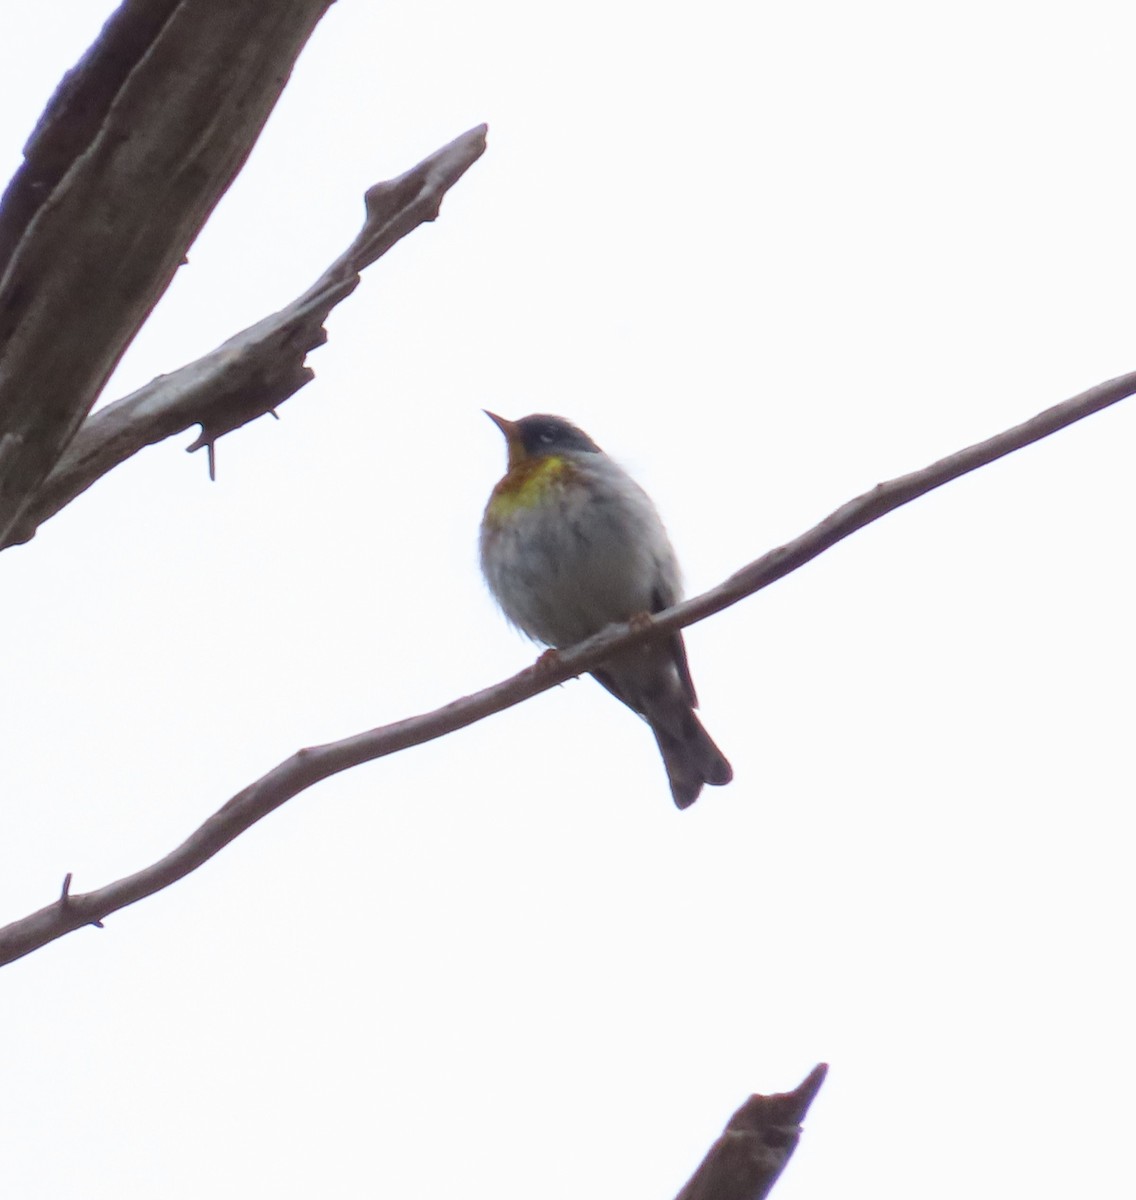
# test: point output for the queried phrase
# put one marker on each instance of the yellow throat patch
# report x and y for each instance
(526, 485)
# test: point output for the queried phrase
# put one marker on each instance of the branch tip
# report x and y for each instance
(808, 1087)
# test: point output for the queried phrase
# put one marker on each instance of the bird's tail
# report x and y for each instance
(690, 757)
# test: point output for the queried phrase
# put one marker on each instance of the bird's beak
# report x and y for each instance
(512, 437)
(508, 428)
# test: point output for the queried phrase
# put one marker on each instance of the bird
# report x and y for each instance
(570, 544)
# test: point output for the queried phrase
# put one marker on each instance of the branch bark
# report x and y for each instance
(308, 766)
(259, 368)
(758, 1141)
(136, 147)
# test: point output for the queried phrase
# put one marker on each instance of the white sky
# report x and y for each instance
(768, 256)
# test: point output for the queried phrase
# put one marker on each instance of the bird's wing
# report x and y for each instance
(677, 648)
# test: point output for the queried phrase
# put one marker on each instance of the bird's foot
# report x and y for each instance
(547, 662)
(640, 620)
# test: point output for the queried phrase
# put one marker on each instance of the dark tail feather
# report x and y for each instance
(691, 760)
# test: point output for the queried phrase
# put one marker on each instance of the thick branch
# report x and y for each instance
(759, 1139)
(309, 766)
(139, 143)
(259, 368)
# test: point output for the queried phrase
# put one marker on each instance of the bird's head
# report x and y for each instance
(541, 435)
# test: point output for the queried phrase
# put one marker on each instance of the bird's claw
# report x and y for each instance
(547, 662)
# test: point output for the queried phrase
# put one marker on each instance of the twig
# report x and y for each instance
(64, 900)
(309, 766)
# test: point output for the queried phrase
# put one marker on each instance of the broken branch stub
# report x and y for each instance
(757, 1143)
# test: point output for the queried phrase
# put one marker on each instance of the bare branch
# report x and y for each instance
(258, 369)
(309, 766)
(759, 1139)
(139, 143)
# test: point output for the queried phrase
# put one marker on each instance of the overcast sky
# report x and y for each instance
(768, 256)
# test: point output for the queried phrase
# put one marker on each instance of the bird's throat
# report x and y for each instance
(527, 484)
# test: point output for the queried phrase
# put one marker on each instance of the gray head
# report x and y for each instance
(540, 435)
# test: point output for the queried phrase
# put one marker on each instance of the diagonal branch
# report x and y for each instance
(137, 146)
(259, 368)
(757, 1143)
(308, 766)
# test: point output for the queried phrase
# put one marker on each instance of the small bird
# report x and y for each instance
(570, 543)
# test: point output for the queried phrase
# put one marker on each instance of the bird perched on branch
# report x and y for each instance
(571, 543)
